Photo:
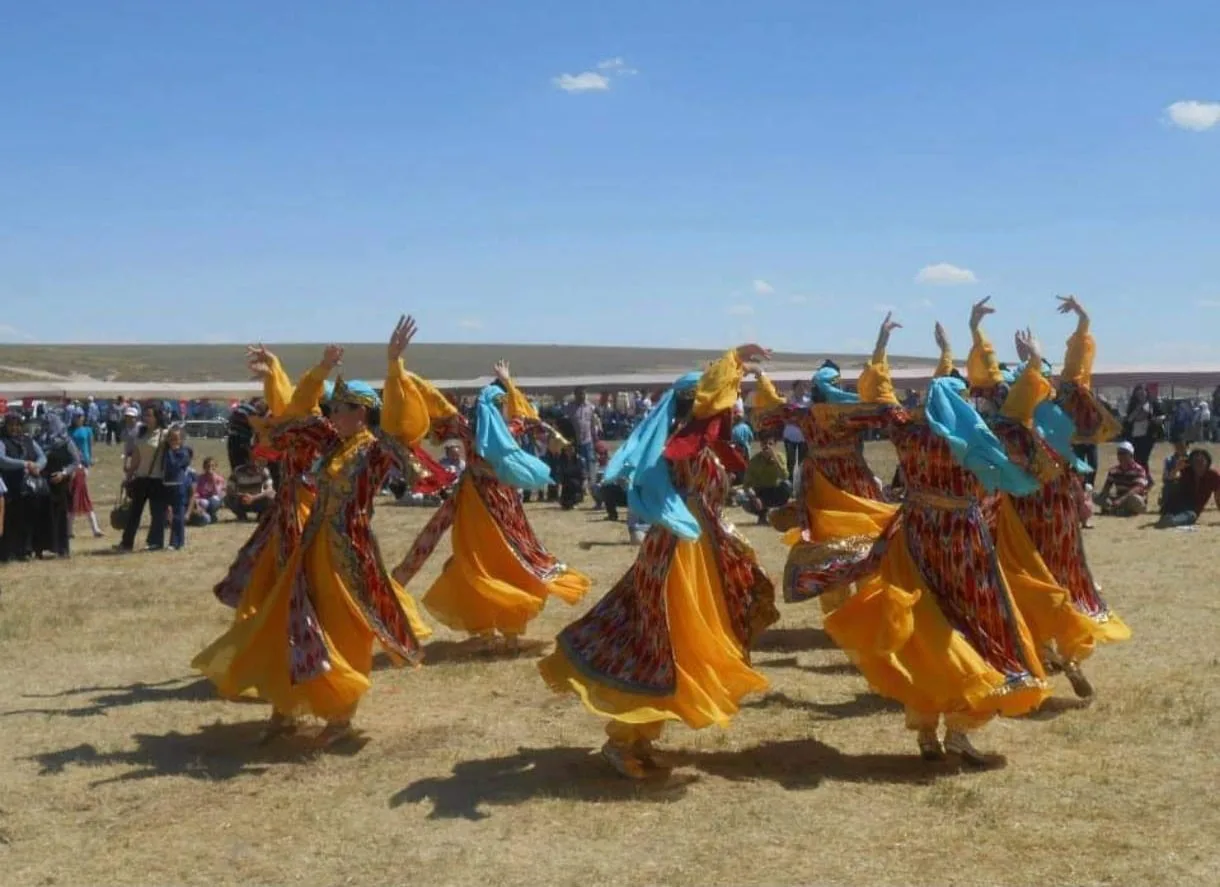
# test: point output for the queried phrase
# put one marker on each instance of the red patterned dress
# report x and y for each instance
(671, 639)
(308, 648)
(933, 623)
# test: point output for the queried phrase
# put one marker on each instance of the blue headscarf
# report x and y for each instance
(971, 442)
(825, 381)
(494, 442)
(355, 392)
(640, 462)
(1057, 428)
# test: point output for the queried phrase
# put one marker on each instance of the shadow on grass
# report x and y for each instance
(569, 773)
(590, 544)
(862, 705)
(793, 640)
(832, 669)
(183, 689)
(215, 752)
(578, 774)
(1056, 706)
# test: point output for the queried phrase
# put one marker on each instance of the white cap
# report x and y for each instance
(1125, 446)
(131, 411)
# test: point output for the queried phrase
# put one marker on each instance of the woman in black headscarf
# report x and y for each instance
(54, 525)
(21, 465)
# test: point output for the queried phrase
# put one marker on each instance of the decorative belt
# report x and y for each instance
(940, 501)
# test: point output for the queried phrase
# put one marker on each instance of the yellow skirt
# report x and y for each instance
(712, 673)
(1045, 605)
(832, 514)
(252, 658)
(900, 640)
(266, 565)
(483, 586)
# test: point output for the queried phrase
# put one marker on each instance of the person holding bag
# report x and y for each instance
(144, 467)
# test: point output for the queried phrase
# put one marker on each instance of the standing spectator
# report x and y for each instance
(1126, 489)
(1203, 420)
(209, 493)
(21, 466)
(795, 447)
(250, 489)
(585, 425)
(1196, 483)
(53, 529)
(1138, 425)
(93, 415)
(743, 434)
(114, 421)
(144, 469)
(766, 484)
(177, 484)
(82, 502)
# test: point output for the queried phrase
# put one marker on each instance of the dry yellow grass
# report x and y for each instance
(118, 766)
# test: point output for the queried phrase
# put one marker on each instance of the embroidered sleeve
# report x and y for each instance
(311, 433)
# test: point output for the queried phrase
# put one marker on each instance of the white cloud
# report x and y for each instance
(12, 334)
(616, 65)
(741, 310)
(587, 81)
(594, 81)
(470, 323)
(762, 288)
(1207, 303)
(1194, 115)
(944, 274)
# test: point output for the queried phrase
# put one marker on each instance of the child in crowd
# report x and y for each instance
(177, 483)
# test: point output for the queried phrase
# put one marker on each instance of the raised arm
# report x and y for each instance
(277, 388)
(875, 384)
(944, 366)
(404, 411)
(720, 385)
(1030, 388)
(284, 400)
(1081, 349)
(516, 403)
(982, 367)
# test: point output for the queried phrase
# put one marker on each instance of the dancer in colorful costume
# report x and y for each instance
(500, 575)
(278, 532)
(932, 622)
(308, 648)
(1060, 601)
(671, 640)
(839, 500)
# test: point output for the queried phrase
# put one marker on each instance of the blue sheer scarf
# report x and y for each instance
(971, 442)
(495, 442)
(640, 463)
(824, 381)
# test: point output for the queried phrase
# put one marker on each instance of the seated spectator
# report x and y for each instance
(743, 433)
(209, 495)
(613, 496)
(1125, 492)
(250, 490)
(453, 461)
(1194, 485)
(569, 472)
(766, 482)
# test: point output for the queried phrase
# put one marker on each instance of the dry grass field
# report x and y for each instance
(119, 766)
(209, 363)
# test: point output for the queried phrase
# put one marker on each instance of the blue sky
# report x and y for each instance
(232, 170)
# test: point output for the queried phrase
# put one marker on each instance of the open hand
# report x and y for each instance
(1028, 342)
(753, 353)
(332, 356)
(980, 310)
(1069, 305)
(259, 360)
(889, 324)
(942, 338)
(404, 332)
(501, 370)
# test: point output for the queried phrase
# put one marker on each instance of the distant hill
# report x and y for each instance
(226, 363)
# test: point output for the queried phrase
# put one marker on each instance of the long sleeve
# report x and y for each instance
(519, 406)
(944, 366)
(277, 388)
(875, 384)
(303, 400)
(719, 386)
(8, 463)
(766, 398)
(982, 368)
(404, 411)
(1078, 361)
(1030, 389)
(40, 457)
